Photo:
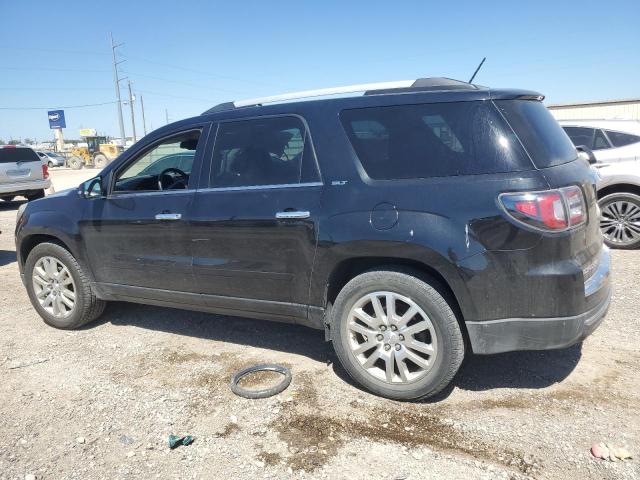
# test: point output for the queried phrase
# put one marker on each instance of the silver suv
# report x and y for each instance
(22, 173)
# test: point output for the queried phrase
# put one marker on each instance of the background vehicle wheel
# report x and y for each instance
(396, 335)
(35, 195)
(620, 220)
(8, 198)
(75, 163)
(50, 164)
(59, 289)
(100, 160)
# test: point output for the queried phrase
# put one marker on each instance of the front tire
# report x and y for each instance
(396, 335)
(59, 288)
(50, 164)
(620, 220)
(75, 163)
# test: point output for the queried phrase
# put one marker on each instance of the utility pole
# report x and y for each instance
(144, 123)
(116, 82)
(133, 117)
(166, 116)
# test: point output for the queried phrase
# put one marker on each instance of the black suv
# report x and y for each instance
(412, 223)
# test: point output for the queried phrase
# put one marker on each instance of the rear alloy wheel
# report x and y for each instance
(100, 160)
(75, 163)
(396, 335)
(620, 220)
(59, 289)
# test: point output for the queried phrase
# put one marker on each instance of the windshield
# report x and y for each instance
(542, 137)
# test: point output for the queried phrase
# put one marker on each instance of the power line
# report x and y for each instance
(59, 107)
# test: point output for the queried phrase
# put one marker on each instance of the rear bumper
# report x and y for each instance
(512, 334)
(20, 187)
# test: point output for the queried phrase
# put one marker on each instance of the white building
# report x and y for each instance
(625, 109)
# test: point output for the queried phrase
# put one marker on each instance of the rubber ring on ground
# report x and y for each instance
(266, 392)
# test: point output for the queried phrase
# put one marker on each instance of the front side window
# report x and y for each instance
(264, 151)
(433, 140)
(620, 139)
(166, 166)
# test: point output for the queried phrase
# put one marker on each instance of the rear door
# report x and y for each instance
(255, 227)
(19, 165)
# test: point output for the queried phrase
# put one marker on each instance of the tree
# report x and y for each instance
(14, 142)
(1, 142)
(28, 141)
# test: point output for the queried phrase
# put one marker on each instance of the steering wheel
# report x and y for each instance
(167, 173)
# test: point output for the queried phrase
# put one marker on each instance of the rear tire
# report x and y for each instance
(86, 306)
(35, 196)
(100, 160)
(8, 198)
(427, 348)
(75, 163)
(620, 220)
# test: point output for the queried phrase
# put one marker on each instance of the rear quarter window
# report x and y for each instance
(542, 137)
(433, 140)
(12, 155)
(621, 139)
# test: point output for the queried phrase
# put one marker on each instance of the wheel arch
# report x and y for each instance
(346, 270)
(619, 188)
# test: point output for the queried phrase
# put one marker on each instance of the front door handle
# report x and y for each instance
(292, 215)
(168, 216)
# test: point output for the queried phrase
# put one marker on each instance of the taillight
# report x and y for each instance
(550, 210)
(45, 171)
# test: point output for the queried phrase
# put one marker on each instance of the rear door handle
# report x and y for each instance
(293, 214)
(168, 216)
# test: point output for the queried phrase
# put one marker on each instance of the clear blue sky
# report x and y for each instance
(186, 56)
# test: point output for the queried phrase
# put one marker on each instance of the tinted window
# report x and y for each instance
(580, 136)
(600, 142)
(147, 171)
(620, 139)
(539, 132)
(265, 151)
(433, 140)
(10, 155)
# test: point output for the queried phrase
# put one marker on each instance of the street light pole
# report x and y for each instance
(144, 123)
(116, 82)
(133, 118)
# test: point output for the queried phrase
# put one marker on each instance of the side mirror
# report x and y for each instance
(92, 188)
(586, 154)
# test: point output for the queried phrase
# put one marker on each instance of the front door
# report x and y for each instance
(255, 227)
(138, 236)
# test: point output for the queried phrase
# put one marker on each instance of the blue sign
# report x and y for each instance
(56, 119)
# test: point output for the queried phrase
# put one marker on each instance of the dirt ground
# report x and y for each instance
(100, 403)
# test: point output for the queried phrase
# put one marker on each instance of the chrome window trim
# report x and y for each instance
(260, 187)
(146, 193)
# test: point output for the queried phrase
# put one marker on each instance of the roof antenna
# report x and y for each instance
(474, 73)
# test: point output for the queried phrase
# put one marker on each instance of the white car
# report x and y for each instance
(22, 173)
(615, 144)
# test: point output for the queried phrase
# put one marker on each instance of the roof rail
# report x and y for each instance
(380, 88)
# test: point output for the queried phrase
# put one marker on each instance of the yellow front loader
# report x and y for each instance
(98, 153)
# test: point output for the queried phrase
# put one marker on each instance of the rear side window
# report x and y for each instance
(539, 132)
(433, 140)
(620, 139)
(11, 155)
(580, 136)
(263, 151)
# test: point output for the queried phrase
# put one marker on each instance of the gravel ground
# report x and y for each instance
(100, 402)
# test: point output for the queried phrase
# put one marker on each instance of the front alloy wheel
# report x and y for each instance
(54, 287)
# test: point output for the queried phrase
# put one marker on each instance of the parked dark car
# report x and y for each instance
(414, 223)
